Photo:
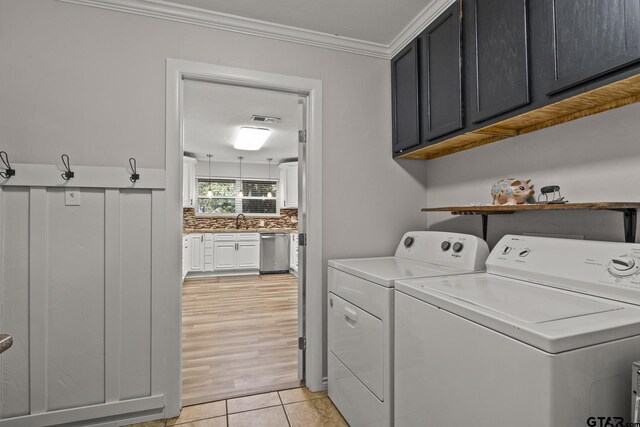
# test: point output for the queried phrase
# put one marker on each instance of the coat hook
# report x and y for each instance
(68, 174)
(135, 175)
(8, 173)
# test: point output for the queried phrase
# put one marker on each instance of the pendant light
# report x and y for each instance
(210, 192)
(269, 195)
(240, 191)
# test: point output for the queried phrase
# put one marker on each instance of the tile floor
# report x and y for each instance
(297, 407)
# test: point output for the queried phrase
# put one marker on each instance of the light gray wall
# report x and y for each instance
(91, 83)
(595, 158)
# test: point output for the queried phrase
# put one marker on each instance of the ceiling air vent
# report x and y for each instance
(265, 119)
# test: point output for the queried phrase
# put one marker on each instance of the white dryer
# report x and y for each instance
(360, 317)
(544, 338)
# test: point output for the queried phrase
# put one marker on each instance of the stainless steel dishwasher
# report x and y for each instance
(274, 253)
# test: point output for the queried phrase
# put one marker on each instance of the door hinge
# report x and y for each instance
(302, 239)
(302, 136)
(302, 343)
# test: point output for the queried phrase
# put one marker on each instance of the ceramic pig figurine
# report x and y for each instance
(511, 191)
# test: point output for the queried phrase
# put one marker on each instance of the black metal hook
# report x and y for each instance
(135, 175)
(9, 172)
(68, 174)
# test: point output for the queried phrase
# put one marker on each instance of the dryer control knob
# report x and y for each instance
(457, 247)
(445, 245)
(408, 242)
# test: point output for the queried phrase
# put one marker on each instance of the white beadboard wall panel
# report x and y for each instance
(14, 301)
(76, 294)
(135, 248)
(76, 288)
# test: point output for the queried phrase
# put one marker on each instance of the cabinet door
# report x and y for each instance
(224, 256)
(196, 252)
(405, 98)
(497, 57)
(248, 255)
(292, 244)
(282, 188)
(188, 182)
(441, 75)
(590, 38)
(292, 187)
(186, 254)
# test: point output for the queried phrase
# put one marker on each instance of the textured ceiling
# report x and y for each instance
(213, 113)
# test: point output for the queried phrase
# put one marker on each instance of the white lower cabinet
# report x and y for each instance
(248, 255)
(219, 252)
(293, 251)
(196, 252)
(225, 255)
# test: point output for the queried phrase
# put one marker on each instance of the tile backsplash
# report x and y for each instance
(288, 219)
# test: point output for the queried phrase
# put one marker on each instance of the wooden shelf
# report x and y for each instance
(628, 209)
(614, 95)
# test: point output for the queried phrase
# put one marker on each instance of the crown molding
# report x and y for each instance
(222, 21)
(195, 16)
(417, 25)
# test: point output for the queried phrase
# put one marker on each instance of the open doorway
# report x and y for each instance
(243, 212)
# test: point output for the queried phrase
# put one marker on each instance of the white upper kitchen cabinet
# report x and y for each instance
(189, 182)
(289, 185)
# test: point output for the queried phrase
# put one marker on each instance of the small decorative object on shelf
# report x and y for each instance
(511, 191)
(555, 198)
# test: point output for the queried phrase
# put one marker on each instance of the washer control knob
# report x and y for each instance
(523, 253)
(506, 250)
(445, 245)
(623, 266)
(622, 263)
(457, 247)
(408, 242)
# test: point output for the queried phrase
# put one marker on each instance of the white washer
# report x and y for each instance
(544, 338)
(360, 317)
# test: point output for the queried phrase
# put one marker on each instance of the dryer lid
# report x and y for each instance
(550, 319)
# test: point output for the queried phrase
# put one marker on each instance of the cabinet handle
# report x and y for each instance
(202, 238)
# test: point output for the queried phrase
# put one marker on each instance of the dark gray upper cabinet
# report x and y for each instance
(496, 56)
(441, 75)
(591, 38)
(405, 99)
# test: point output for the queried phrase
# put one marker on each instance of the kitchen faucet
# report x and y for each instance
(238, 220)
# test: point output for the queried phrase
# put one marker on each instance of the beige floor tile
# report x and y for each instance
(199, 412)
(157, 423)
(300, 394)
(314, 413)
(209, 422)
(256, 401)
(267, 417)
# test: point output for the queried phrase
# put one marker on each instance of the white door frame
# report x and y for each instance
(176, 71)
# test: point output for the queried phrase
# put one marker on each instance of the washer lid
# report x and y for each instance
(550, 319)
(385, 270)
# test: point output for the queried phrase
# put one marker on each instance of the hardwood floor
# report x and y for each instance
(239, 336)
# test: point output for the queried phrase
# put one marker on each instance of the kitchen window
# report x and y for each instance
(219, 196)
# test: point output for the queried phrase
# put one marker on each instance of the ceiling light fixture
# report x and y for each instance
(240, 194)
(269, 194)
(210, 192)
(251, 139)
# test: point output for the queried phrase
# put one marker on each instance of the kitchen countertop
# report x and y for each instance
(241, 230)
